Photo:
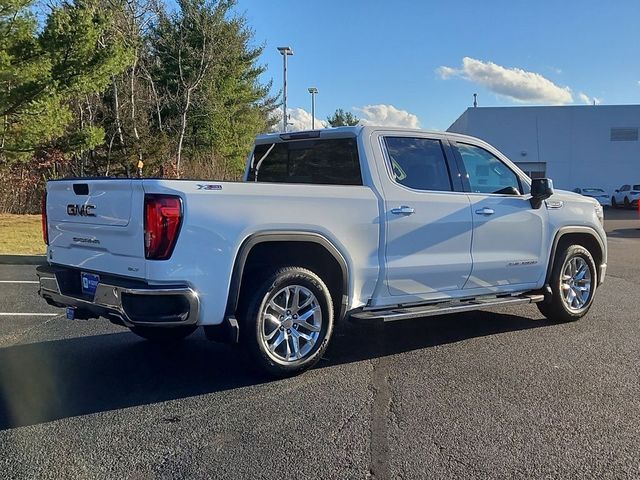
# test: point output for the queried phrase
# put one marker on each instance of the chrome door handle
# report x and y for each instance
(485, 211)
(403, 210)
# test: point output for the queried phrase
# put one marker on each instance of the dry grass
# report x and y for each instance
(21, 234)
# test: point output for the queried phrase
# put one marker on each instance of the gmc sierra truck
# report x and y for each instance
(373, 223)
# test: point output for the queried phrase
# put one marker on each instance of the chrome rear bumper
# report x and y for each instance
(141, 305)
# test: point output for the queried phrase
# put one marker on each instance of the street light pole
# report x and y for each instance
(285, 52)
(313, 91)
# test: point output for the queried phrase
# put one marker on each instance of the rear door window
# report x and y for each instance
(418, 163)
(325, 162)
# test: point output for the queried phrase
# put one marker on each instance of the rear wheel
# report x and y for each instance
(288, 321)
(164, 334)
(627, 204)
(573, 285)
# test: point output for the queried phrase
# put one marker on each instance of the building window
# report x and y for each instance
(624, 134)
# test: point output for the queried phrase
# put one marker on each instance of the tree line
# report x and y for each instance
(94, 87)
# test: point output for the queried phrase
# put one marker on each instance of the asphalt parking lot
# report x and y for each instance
(498, 394)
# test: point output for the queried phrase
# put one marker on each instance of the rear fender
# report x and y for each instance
(282, 236)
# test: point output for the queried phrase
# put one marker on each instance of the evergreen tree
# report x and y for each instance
(41, 73)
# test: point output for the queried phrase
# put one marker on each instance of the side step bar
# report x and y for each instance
(442, 308)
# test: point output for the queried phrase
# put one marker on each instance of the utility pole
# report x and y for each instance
(285, 52)
(313, 91)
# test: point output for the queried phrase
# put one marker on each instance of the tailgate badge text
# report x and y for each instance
(81, 210)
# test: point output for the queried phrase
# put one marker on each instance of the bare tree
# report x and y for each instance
(187, 43)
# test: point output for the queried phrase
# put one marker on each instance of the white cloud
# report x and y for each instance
(299, 119)
(446, 72)
(381, 115)
(387, 115)
(514, 83)
(587, 100)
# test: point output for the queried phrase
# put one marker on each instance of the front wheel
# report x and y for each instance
(164, 334)
(573, 285)
(614, 203)
(288, 322)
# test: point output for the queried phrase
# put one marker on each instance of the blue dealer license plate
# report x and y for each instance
(89, 283)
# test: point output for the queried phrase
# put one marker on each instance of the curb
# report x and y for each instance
(22, 259)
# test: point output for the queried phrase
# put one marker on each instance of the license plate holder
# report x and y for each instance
(89, 283)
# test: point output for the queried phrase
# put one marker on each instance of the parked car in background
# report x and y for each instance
(599, 194)
(626, 195)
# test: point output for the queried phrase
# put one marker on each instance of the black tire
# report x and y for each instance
(555, 308)
(253, 322)
(614, 204)
(164, 334)
(627, 204)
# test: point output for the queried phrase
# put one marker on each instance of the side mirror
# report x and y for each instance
(541, 189)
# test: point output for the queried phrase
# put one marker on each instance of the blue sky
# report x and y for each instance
(389, 54)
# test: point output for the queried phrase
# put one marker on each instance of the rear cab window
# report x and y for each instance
(318, 161)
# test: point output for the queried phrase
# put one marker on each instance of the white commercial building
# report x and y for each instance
(576, 146)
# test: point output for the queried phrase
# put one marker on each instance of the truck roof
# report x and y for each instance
(343, 132)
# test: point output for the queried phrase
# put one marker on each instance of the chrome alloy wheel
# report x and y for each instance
(576, 283)
(291, 323)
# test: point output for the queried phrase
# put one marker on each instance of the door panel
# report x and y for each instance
(428, 226)
(428, 251)
(509, 244)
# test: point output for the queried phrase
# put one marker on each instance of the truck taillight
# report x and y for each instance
(162, 220)
(43, 213)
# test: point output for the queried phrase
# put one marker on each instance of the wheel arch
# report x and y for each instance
(285, 237)
(585, 236)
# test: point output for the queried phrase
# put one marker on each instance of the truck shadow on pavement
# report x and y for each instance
(41, 382)
(625, 233)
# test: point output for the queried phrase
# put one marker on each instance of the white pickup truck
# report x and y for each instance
(368, 222)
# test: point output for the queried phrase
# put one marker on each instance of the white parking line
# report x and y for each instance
(6, 314)
(18, 281)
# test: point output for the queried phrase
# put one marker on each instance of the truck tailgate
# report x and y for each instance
(97, 225)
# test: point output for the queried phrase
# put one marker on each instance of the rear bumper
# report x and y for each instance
(130, 302)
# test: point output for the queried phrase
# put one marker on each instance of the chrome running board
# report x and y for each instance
(443, 308)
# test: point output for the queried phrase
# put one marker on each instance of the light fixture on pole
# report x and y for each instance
(313, 91)
(285, 52)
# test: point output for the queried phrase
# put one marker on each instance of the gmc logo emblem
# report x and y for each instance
(81, 210)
